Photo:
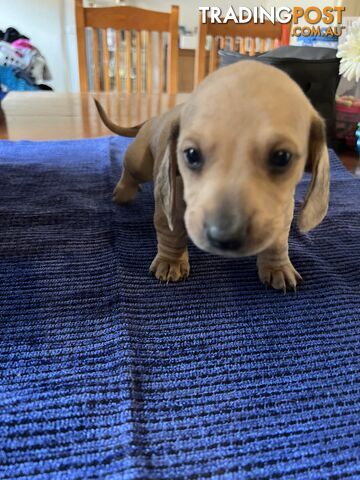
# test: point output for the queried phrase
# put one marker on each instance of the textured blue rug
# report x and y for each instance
(107, 374)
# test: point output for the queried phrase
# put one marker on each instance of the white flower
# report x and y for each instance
(349, 52)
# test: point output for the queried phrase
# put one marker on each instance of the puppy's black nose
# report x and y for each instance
(225, 238)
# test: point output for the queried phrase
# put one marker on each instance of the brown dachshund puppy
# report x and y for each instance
(225, 166)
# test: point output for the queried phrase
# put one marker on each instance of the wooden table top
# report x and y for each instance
(59, 116)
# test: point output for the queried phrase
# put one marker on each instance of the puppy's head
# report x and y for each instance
(243, 141)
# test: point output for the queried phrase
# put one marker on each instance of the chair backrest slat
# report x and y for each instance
(96, 59)
(262, 45)
(200, 57)
(242, 46)
(118, 60)
(149, 61)
(213, 54)
(161, 61)
(128, 47)
(138, 61)
(252, 47)
(105, 52)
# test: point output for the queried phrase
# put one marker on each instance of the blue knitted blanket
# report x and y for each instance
(108, 374)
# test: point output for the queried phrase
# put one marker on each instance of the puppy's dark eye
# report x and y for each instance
(280, 159)
(193, 158)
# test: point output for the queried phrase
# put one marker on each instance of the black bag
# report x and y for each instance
(314, 69)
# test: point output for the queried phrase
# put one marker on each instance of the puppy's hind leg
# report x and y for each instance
(137, 169)
(127, 187)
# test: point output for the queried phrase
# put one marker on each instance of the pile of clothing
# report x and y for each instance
(22, 66)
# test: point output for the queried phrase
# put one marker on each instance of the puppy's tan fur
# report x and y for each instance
(237, 117)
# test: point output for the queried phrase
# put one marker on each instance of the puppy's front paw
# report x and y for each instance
(170, 271)
(281, 277)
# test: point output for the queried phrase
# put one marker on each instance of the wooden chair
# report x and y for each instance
(243, 38)
(130, 66)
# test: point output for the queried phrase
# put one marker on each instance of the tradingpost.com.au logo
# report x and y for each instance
(331, 17)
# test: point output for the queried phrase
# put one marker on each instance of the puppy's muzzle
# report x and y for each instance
(225, 233)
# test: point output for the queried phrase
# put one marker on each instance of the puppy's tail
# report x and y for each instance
(123, 131)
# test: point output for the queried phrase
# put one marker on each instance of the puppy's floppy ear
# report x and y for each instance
(317, 198)
(165, 182)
